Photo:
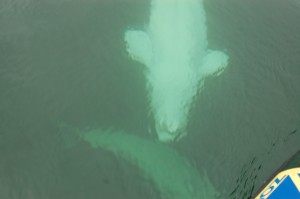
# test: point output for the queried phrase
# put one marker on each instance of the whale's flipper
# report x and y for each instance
(139, 46)
(213, 63)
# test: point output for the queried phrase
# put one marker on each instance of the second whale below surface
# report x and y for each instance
(170, 172)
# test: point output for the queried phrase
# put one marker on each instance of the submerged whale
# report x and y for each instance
(170, 172)
(174, 48)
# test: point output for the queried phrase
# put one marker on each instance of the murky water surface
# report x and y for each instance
(64, 62)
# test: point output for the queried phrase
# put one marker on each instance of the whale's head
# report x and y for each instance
(173, 87)
(170, 108)
(169, 131)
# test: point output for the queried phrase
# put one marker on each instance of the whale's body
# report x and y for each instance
(173, 46)
(170, 172)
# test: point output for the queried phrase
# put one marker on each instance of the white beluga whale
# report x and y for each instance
(174, 48)
(170, 172)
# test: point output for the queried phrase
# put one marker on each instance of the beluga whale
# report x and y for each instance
(173, 46)
(171, 173)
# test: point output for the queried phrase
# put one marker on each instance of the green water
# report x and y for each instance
(65, 61)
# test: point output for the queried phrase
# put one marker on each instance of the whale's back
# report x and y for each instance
(178, 27)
